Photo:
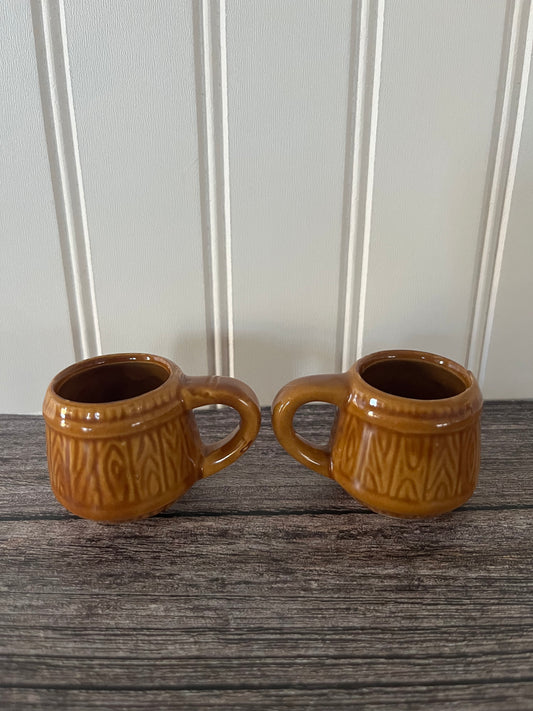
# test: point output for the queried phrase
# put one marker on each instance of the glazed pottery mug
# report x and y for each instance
(122, 441)
(406, 438)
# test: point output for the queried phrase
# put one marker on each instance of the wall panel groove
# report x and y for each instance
(51, 49)
(213, 148)
(364, 80)
(272, 188)
(516, 59)
(439, 80)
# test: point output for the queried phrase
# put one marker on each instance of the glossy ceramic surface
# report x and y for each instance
(406, 439)
(122, 441)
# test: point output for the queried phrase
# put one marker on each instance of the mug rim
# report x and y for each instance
(465, 376)
(411, 414)
(108, 418)
(86, 364)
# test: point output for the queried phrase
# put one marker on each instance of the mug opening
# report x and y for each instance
(109, 382)
(415, 379)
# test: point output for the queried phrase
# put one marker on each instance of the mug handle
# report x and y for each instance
(334, 389)
(218, 390)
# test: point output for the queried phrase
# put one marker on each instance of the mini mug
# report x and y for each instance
(406, 438)
(121, 438)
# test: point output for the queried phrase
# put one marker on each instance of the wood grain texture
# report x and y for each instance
(268, 587)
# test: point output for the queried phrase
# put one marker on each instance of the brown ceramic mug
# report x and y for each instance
(406, 438)
(121, 438)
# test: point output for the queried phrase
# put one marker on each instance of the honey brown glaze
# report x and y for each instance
(122, 441)
(406, 440)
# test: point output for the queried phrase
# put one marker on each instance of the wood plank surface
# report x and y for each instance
(268, 587)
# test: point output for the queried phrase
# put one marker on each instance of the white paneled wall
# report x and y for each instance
(133, 81)
(288, 86)
(265, 188)
(35, 333)
(439, 83)
(509, 369)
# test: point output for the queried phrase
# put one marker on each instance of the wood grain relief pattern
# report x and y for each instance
(415, 469)
(95, 474)
(128, 470)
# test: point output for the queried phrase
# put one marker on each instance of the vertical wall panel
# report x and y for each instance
(275, 154)
(35, 338)
(288, 89)
(133, 83)
(509, 371)
(439, 83)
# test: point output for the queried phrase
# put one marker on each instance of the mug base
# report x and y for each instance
(125, 514)
(404, 509)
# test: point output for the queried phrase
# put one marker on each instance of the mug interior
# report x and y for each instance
(109, 382)
(419, 380)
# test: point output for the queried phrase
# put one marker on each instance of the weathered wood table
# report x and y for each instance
(268, 587)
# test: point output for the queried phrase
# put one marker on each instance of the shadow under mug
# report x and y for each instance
(122, 441)
(406, 438)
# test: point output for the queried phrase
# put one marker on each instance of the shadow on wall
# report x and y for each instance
(190, 353)
(268, 363)
(401, 336)
(265, 364)
(435, 342)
